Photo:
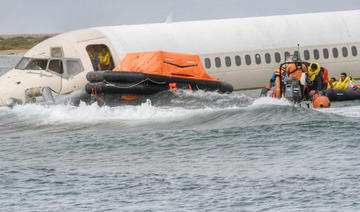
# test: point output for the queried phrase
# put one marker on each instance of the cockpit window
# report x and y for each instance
(32, 64)
(56, 66)
(73, 67)
(37, 64)
(23, 63)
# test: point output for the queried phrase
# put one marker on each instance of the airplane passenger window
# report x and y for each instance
(316, 54)
(296, 54)
(257, 58)
(287, 55)
(326, 53)
(354, 51)
(306, 55)
(73, 67)
(247, 59)
(217, 62)
(56, 66)
(207, 63)
(335, 52)
(277, 57)
(237, 60)
(227, 61)
(345, 52)
(267, 58)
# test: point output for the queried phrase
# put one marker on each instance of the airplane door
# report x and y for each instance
(52, 76)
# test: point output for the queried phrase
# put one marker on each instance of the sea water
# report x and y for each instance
(180, 151)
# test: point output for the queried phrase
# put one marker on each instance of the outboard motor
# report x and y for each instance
(293, 90)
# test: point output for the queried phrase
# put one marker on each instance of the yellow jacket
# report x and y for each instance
(312, 74)
(343, 84)
(104, 58)
(334, 85)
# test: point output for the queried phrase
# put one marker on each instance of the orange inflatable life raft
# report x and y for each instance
(165, 64)
(145, 73)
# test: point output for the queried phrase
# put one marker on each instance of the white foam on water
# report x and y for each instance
(348, 111)
(146, 112)
(210, 95)
(203, 99)
(60, 114)
(271, 101)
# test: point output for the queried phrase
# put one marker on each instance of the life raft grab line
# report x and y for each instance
(138, 83)
(95, 94)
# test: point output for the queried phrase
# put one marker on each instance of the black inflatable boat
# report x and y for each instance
(342, 95)
(115, 82)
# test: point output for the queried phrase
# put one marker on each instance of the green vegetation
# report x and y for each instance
(20, 42)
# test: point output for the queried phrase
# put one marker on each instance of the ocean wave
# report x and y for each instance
(168, 110)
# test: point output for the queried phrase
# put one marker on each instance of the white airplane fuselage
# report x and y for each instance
(243, 52)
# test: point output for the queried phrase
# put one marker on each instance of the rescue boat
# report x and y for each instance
(343, 95)
(146, 73)
(294, 90)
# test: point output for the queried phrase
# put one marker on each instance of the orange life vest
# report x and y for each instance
(295, 71)
(278, 82)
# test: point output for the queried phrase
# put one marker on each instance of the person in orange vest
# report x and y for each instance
(295, 70)
(275, 84)
(275, 74)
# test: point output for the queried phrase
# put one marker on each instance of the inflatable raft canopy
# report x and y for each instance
(165, 64)
(150, 72)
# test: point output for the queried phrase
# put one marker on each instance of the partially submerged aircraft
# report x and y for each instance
(243, 52)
